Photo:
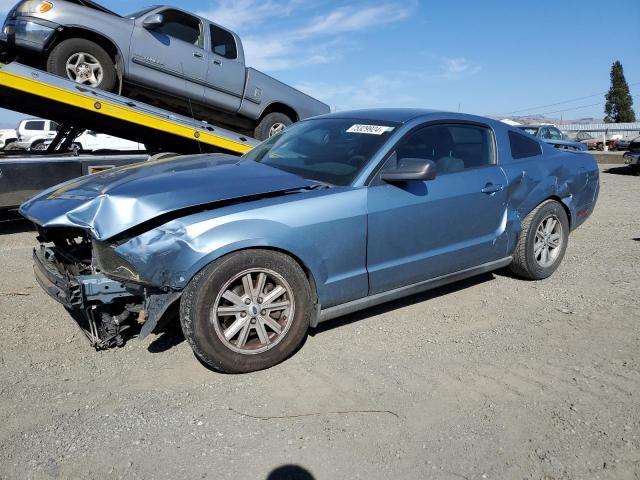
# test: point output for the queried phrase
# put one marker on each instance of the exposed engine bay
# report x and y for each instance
(104, 308)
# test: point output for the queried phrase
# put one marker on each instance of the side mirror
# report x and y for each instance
(410, 169)
(153, 21)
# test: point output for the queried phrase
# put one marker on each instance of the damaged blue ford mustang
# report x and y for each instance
(333, 215)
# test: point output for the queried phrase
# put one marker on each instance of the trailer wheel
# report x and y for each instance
(84, 62)
(271, 125)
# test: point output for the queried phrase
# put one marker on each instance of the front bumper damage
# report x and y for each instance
(104, 309)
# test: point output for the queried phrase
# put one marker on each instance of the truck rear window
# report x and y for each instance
(223, 43)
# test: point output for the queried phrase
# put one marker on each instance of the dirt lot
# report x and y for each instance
(490, 378)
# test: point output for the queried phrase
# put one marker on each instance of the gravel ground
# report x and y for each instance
(488, 378)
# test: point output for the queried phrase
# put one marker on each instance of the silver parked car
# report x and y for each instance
(161, 54)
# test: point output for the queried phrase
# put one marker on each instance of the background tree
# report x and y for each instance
(618, 99)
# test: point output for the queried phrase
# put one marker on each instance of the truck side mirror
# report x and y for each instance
(153, 21)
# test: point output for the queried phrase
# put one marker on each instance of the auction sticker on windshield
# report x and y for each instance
(370, 129)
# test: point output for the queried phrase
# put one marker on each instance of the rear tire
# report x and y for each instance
(271, 125)
(230, 325)
(94, 67)
(38, 146)
(542, 243)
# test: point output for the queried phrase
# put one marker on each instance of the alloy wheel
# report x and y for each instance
(548, 241)
(253, 311)
(84, 68)
(276, 128)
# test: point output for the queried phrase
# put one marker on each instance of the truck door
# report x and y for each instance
(226, 72)
(168, 53)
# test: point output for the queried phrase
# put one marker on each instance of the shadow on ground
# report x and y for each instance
(621, 171)
(290, 472)
(169, 334)
(403, 302)
(11, 222)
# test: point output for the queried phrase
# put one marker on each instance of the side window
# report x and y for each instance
(181, 26)
(453, 147)
(523, 147)
(53, 126)
(34, 125)
(223, 43)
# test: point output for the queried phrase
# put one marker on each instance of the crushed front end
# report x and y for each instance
(101, 290)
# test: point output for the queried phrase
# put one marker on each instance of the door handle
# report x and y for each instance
(491, 188)
(217, 62)
(197, 54)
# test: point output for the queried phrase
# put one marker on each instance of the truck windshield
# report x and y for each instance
(329, 150)
(530, 130)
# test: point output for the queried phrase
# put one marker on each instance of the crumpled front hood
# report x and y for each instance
(114, 201)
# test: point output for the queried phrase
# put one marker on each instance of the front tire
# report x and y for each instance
(247, 311)
(271, 125)
(542, 243)
(84, 62)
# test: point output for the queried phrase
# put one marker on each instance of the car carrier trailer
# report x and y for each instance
(77, 108)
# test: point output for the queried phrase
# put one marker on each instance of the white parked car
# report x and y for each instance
(90, 141)
(7, 137)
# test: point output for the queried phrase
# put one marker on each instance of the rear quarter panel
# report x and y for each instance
(263, 90)
(571, 177)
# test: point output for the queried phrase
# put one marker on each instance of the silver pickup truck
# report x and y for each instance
(161, 55)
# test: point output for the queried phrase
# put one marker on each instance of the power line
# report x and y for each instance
(578, 108)
(563, 102)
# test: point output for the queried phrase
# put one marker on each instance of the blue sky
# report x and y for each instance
(484, 57)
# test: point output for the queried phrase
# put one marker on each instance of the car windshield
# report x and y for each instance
(327, 150)
(530, 130)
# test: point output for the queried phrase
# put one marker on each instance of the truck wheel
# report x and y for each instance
(83, 62)
(542, 243)
(246, 311)
(271, 125)
(38, 146)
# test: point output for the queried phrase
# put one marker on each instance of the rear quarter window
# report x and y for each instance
(522, 146)
(223, 43)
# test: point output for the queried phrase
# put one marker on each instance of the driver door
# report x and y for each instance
(170, 57)
(419, 230)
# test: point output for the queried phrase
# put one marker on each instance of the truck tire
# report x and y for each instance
(542, 242)
(38, 146)
(271, 124)
(247, 311)
(84, 62)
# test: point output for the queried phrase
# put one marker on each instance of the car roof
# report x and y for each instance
(403, 115)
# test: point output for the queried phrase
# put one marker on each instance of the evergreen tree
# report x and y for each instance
(618, 100)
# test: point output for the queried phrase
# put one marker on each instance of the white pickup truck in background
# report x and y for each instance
(34, 132)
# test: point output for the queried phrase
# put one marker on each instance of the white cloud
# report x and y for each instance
(373, 91)
(456, 68)
(353, 19)
(243, 14)
(315, 42)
